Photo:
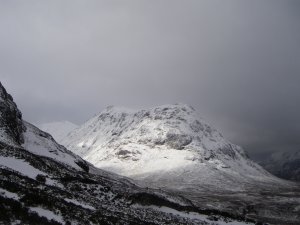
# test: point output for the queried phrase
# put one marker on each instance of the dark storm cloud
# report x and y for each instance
(237, 62)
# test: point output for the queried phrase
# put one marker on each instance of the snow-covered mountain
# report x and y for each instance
(41, 182)
(168, 143)
(58, 130)
(285, 164)
(170, 147)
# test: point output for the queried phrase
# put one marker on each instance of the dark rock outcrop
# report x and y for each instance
(10, 117)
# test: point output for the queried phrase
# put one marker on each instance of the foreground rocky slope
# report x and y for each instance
(285, 164)
(41, 182)
(172, 148)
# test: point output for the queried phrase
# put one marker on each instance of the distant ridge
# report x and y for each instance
(284, 164)
(59, 130)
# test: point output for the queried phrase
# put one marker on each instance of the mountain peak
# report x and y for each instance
(166, 107)
(118, 109)
(154, 143)
(4, 96)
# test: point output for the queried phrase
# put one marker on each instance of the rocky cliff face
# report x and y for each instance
(11, 126)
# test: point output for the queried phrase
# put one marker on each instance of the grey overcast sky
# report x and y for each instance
(236, 61)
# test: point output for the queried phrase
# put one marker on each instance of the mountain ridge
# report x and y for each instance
(58, 129)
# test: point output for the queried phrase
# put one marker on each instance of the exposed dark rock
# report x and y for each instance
(10, 117)
(41, 178)
(177, 141)
(84, 165)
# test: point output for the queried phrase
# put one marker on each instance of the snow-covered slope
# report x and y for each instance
(58, 130)
(163, 145)
(285, 164)
(43, 144)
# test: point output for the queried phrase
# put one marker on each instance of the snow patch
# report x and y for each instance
(20, 166)
(79, 204)
(47, 213)
(8, 194)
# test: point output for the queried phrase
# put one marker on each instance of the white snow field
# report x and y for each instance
(20, 166)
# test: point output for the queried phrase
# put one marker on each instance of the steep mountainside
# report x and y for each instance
(172, 148)
(285, 164)
(58, 130)
(41, 182)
